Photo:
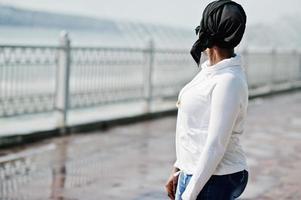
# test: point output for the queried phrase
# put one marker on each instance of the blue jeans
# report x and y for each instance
(218, 187)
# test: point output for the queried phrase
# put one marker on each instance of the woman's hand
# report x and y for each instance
(171, 184)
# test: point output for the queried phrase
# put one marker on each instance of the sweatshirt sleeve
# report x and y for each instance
(225, 106)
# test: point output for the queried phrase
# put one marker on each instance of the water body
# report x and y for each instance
(130, 35)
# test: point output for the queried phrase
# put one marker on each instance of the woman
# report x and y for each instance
(211, 163)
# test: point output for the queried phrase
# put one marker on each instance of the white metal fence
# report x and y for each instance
(36, 79)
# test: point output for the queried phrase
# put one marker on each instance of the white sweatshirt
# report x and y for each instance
(211, 113)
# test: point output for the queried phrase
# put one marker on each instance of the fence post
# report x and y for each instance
(62, 86)
(150, 50)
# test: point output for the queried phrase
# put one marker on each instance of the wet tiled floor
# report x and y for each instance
(133, 162)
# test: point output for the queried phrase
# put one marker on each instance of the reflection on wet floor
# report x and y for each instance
(45, 169)
(63, 168)
(132, 162)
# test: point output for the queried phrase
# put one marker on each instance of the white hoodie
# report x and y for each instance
(211, 113)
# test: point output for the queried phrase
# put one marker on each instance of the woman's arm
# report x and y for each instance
(225, 106)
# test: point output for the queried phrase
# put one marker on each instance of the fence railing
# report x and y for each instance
(36, 79)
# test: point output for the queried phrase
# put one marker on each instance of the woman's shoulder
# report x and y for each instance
(229, 76)
(231, 80)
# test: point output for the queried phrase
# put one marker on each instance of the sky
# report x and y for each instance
(182, 13)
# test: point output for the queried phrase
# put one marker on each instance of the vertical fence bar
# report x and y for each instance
(294, 76)
(273, 65)
(150, 50)
(299, 67)
(2, 80)
(63, 75)
(245, 57)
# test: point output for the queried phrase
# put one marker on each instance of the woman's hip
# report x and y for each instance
(218, 187)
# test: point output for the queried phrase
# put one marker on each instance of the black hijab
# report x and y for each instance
(223, 24)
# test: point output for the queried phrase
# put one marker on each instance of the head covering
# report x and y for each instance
(223, 24)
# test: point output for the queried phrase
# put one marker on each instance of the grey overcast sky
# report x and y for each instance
(184, 13)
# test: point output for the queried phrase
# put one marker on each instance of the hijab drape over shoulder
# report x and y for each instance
(223, 24)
